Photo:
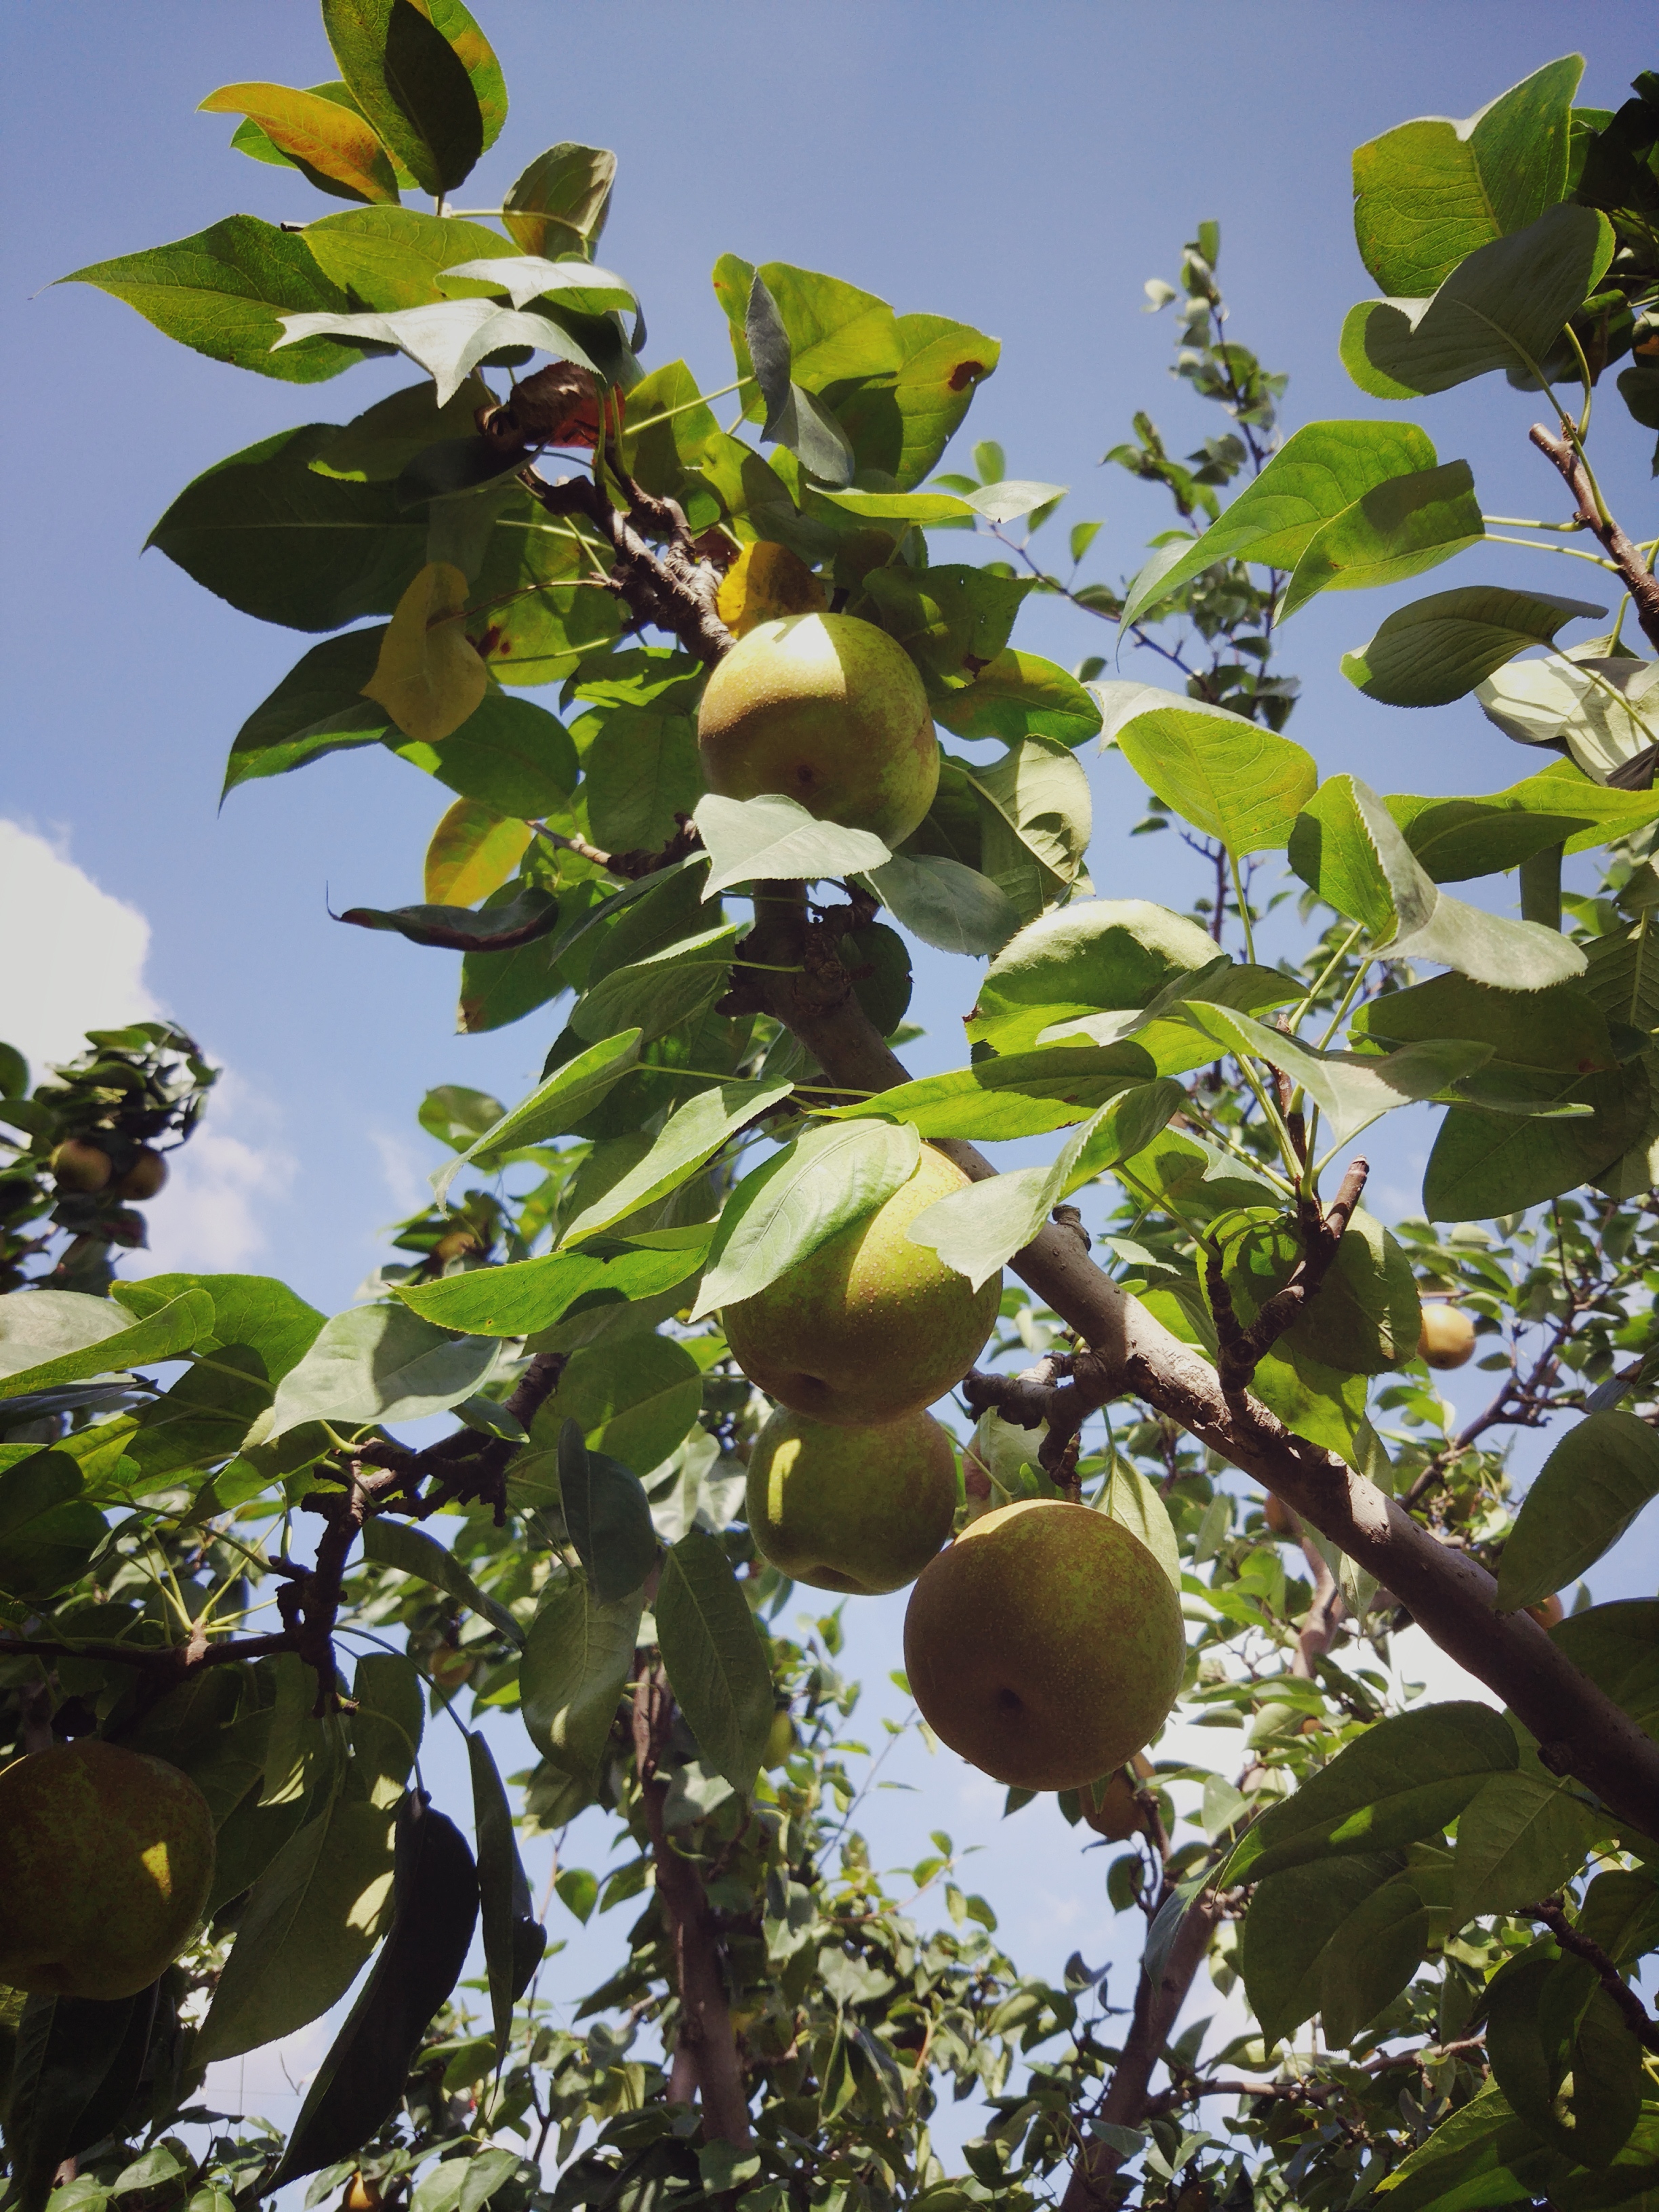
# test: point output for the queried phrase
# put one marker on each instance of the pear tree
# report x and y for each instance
(719, 727)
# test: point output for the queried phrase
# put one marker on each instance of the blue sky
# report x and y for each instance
(1024, 169)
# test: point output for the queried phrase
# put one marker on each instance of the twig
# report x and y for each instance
(1638, 2019)
(1634, 573)
(1321, 1230)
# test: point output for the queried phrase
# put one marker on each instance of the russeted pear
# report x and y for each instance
(870, 1326)
(831, 712)
(1447, 1336)
(105, 1856)
(1046, 1645)
(860, 1510)
(1119, 1813)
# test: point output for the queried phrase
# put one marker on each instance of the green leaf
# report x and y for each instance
(1397, 530)
(1127, 1496)
(1006, 501)
(558, 204)
(317, 708)
(902, 424)
(1402, 1780)
(1428, 193)
(523, 912)
(1364, 1317)
(285, 545)
(1020, 1094)
(662, 992)
(392, 1543)
(1453, 839)
(1435, 650)
(513, 1938)
(1502, 307)
(1462, 2162)
(834, 330)
(378, 445)
(47, 1532)
(386, 1728)
(1485, 1163)
(952, 621)
(607, 1513)
(716, 1658)
(1595, 1482)
(309, 1923)
(944, 904)
(1229, 777)
(1558, 1029)
(578, 285)
(1617, 1646)
(412, 86)
(528, 1296)
(1604, 710)
(448, 339)
(774, 838)
(1095, 954)
(780, 1213)
(1348, 848)
(473, 51)
(1521, 1838)
(552, 1109)
(635, 1398)
(509, 754)
(1352, 1090)
(642, 773)
(1035, 817)
(223, 293)
(692, 1135)
(380, 1363)
(1317, 475)
(384, 258)
(1341, 1937)
(1021, 696)
(976, 1231)
(577, 1658)
(53, 1337)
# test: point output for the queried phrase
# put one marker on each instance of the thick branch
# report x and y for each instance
(1638, 2019)
(706, 2054)
(1633, 571)
(1580, 1730)
(1156, 2011)
(673, 589)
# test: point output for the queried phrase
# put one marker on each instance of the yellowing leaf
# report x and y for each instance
(428, 677)
(764, 582)
(317, 133)
(473, 852)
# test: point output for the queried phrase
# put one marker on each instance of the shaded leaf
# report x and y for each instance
(577, 1658)
(435, 1909)
(514, 1939)
(1595, 1482)
(1521, 1838)
(944, 904)
(393, 1543)
(380, 1363)
(317, 707)
(1437, 649)
(411, 84)
(716, 1658)
(532, 914)
(608, 1516)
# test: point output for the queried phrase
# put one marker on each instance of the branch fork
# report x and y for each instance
(1322, 1229)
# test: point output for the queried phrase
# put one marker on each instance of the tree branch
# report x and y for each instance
(673, 589)
(706, 2052)
(1581, 1731)
(1638, 2019)
(1636, 577)
(1322, 1229)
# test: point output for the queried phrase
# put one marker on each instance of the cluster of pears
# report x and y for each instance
(1046, 1644)
(106, 1861)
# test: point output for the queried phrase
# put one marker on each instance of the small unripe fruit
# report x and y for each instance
(80, 1166)
(1447, 1336)
(781, 1741)
(1548, 1611)
(144, 1177)
(453, 1246)
(1118, 1815)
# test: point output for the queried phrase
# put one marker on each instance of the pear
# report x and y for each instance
(870, 1326)
(1046, 1646)
(79, 1165)
(145, 1176)
(105, 1857)
(1447, 1336)
(860, 1510)
(830, 711)
(1113, 1810)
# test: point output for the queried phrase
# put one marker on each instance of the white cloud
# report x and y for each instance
(79, 964)
(208, 1219)
(77, 954)
(404, 1165)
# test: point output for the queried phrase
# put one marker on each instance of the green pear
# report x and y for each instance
(860, 1510)
(79, 1165)
(870, 1326)
(1446, 1337)
(1046, 1645)
(105, 1857)
(830, 711)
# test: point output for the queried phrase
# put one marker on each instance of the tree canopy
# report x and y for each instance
(688, 1300)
